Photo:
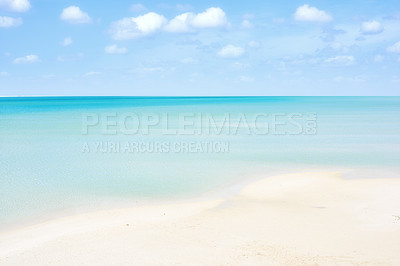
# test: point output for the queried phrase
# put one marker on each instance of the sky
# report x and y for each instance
(188, 48)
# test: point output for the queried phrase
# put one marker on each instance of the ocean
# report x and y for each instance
(61, 154)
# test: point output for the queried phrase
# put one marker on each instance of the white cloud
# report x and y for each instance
(6, 22)
(3, 74)
(213, 17)
(395, 48)
(371, 27)
(67, 41)
(138, 8)
(15, 5)
(29, 59)
(341, 60)
(311, 14)
(114, 49)
(135, 27)
(231, 51)
(181, 23)
(74, 15)
(140, 26)
(92, 73)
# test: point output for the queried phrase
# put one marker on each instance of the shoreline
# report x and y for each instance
(223, 191)
(314, 217)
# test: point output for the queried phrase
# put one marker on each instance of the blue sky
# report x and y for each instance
(199, 47)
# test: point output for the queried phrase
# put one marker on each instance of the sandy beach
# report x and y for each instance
(294, 219)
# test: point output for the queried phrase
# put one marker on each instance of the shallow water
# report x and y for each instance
(67, 152)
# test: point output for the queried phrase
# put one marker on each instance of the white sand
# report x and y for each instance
(298, 219)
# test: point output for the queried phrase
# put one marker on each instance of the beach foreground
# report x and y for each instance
(294, 219)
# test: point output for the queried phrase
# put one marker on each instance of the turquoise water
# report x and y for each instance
(62, 153)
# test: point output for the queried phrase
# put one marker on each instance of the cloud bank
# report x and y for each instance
(140, 26)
